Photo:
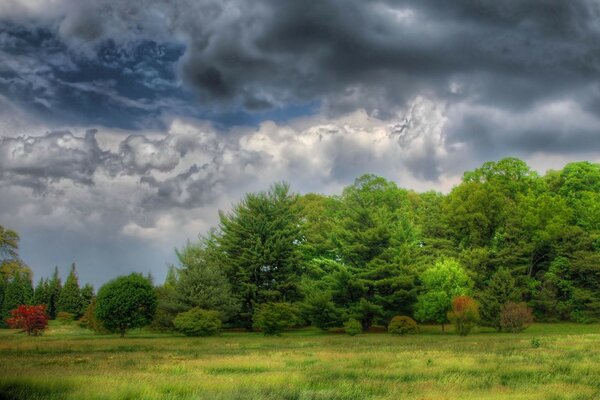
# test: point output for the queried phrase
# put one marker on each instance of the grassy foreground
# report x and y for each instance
(72, 363)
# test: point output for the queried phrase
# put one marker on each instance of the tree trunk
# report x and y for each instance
(443, 330)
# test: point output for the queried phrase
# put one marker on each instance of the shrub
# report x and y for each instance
(273, 318)
(65, 317)
(464, 314)
(125, 303)
(535, 343)
(30, 319)
(515, 317)
(402, 325)
(352, 327)
(198, 322)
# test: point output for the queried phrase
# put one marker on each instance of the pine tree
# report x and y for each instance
(500, 290)
(87, 295)
(54, 289)
(16, 293)
(70, 295)
(41, 294)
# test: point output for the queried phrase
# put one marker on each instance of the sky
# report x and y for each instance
(126, 125)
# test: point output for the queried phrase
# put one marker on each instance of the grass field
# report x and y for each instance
(72, 363)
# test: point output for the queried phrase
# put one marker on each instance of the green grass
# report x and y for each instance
(72, 363)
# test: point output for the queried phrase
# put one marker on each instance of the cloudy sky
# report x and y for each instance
(126, 125)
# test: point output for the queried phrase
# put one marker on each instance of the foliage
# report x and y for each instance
(89, 319)
(69, 299)
(17, 291)
(464, 314)
(126, 302)
(500, 289)
(402, 325)
(198, 322)
(515, 317)
(30, 319)
(65, 317)
(272, 318)
(440, 284)
(260, 244)
(86, 295)
(54, 289)
(200, 281)
(353, 327)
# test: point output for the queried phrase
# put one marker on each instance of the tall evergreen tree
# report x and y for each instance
(54, 289)
(87, 295)
(69, 299)
(18, 291)
(260, 241)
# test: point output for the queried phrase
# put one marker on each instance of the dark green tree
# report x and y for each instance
(500, 289)
(54, 289)
(69, 299)
(260, 243)
(86, 295)
(125, 303)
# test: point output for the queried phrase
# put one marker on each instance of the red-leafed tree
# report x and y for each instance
(30, 319)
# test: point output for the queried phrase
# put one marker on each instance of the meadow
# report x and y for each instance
(547, 361)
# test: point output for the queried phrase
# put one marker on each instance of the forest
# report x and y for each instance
(505, 234)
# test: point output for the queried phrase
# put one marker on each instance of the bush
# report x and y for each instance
(125, 303)
(273, 318)
(352, 327)
(30, 319)
(198, 322)
(402, 325)
(515, 317)
(65, 317)
(464, 314)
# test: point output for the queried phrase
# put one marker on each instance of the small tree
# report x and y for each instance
(125, 303)
(402, 325)
(198, 322)
(89, 320)
(515, 317)
(464, 314)
(30, 319)
(273, 318)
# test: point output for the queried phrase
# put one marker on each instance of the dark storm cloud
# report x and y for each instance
(269, 54)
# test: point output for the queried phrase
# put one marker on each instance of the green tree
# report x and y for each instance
(440, 284)
(54, 289)
(500, 289)
(273, 318)
(41, 294)
(17, 291)
(260, 242)
(86, 295)
(69, 299)
(125, 303)
(202, 281)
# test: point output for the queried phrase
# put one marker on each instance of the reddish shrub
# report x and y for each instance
(464, 314)
(515, 317)
(30, 319)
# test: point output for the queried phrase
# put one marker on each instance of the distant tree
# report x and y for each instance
(54, 289)
(464, 314)
(441, 283)
(86, 295)
(41, 293)
(69, 299)
(89, 319)
(125, 303)
(18, 291)
(30, 319)
(499, 290)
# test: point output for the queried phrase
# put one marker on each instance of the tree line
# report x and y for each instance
(505, 236)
